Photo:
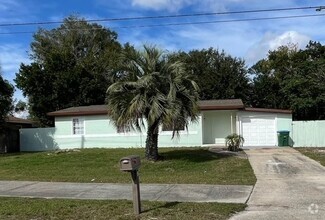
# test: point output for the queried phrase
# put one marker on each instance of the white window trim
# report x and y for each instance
(84, 125)
(181, 132)
(169, 131)
(126, 131)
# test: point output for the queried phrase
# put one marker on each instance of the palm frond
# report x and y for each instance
(154, 90)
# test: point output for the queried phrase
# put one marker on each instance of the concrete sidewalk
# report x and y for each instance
(151, 192)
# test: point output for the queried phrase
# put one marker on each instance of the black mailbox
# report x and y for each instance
(130, 163)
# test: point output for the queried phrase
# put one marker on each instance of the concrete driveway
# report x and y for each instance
(289, 186)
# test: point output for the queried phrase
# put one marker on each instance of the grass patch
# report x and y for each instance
(24, 208)
(181, 165)
(315, 153)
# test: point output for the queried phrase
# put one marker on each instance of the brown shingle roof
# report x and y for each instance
(15, 120)
(222, 104)
(268, 110)
(81, 110)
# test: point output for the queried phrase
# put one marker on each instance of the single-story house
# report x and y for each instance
(89, 126)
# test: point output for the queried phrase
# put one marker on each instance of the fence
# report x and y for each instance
(37, 139)
(308, 133)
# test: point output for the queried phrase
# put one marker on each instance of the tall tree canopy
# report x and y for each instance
(71, 66)
(294, 79)
(218, 75)
(152, 91)
(6, 93)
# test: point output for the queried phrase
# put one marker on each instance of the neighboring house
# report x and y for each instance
(9, 139)
(89, 126)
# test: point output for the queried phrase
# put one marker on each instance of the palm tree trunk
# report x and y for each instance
(152, 142)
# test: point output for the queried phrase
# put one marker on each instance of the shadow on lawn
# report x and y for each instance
(193, 155)
(166, 205)
(18, 154)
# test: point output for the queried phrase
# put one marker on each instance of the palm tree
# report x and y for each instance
(234, 141)
(152, 91)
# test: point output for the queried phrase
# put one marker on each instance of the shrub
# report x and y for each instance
(234, 141)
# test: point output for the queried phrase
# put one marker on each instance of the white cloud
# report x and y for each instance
(11, 55)
(10, 58)
(176, 5)
(170, 5)
(115, 6)
(204, 5)
(230, 38)
(271, 41)
(11, 11)
(6, 5)
(289, 37)
(23, 114)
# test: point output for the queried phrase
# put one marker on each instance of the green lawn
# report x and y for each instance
(23, 208)
(317, 154)
(181, 165)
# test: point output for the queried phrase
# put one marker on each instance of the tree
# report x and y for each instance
(306, 90)
(6, 93)
(71, 66)
(21, 109)
(20, 106)
(218, 75)
(268, 75)
(152, 91)
(292, 79)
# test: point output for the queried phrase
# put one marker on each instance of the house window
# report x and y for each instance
(123, 130)
(78, 126)
(170, 128)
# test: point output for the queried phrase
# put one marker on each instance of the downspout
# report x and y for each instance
(202, 128)
(231, 125)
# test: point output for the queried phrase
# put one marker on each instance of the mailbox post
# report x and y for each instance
(131, 164)
(136, 192)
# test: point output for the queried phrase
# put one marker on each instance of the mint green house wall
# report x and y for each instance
(100, 132)
(211, 129)
(284, 123)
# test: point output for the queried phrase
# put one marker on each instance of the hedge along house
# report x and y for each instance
(89, 126)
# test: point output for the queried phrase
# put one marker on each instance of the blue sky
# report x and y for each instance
(248, 40)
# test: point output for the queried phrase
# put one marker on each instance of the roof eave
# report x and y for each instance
(79, 113)
(203, 108)
(267, 110)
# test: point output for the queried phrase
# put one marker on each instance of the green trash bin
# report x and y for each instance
(283, 138)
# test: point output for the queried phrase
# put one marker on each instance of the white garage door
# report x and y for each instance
(258, 131)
